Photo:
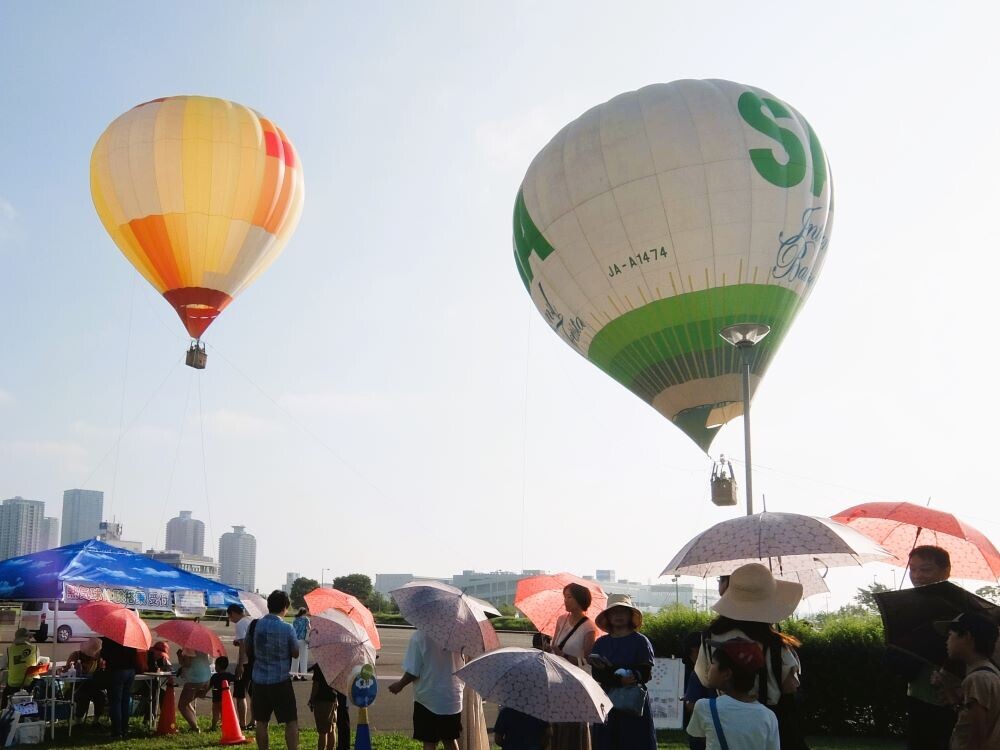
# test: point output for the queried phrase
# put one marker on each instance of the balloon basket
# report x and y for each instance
(196, 356)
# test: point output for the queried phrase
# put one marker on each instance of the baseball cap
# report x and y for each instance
(743, 652)
(969, 622)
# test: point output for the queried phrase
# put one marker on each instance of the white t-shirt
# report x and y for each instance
(747, 726)
(436, 689)
(242, 626)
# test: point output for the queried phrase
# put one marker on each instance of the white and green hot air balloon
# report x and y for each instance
(656, 219)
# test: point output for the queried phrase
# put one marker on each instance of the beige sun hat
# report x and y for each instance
(754, 595)
(619, 600)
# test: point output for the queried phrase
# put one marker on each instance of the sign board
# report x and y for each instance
(665, 691)
(189, 603)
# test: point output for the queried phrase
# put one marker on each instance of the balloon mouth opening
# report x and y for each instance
(197, 307)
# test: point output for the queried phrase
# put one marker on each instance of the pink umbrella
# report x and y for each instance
(339, 645)
(453, 620)
(323, 599)
(540, 598)
(899, 527)
(116, 622)
(191, 635)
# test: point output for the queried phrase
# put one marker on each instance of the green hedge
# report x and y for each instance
(846, 690)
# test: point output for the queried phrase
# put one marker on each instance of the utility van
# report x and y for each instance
(70, 626)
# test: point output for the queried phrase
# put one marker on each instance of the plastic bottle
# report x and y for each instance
(71, 672)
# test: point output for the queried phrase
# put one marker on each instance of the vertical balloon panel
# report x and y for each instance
(660, 217)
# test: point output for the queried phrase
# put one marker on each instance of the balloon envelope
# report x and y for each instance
(200, 194)
(664, 215)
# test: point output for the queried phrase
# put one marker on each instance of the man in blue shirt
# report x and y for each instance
(274, 646)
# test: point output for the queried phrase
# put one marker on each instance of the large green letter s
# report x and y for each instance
(751, 108)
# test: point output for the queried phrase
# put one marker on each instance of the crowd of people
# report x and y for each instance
(741, 692)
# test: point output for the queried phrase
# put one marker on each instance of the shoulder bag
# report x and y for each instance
(718, 724)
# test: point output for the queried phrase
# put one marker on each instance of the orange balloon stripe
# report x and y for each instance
(151, 232)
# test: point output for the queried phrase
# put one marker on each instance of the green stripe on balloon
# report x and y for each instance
(646, 357)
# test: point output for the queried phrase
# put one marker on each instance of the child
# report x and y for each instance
(735, 715)
(971, 640)
(222, 673)
(515, 730)
(323, 702)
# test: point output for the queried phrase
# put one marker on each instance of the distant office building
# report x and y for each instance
(290, 578)
(186, 534)
(50, 533)
(238, 559)
(605, 576)
(498, 587)
(82, 513)
(386, 582)
(20, 526)
(111, 533)
(197, 564)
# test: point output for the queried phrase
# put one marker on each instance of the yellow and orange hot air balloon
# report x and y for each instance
(201, 195)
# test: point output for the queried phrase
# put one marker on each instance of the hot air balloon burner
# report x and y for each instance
(196, 356)
(744, 336)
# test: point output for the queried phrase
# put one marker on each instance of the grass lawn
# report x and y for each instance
(307, 740)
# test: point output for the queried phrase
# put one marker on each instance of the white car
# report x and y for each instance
(33, 614)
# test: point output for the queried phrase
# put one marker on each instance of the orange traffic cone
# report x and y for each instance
(167, 723)
(231, 732)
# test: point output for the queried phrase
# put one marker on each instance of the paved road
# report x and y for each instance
(391, 713)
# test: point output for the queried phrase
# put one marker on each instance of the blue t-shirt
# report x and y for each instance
(301, 626)
(274, 642)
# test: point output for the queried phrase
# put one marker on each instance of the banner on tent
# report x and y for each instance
(130, 597)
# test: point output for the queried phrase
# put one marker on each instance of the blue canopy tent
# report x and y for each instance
(92, 570)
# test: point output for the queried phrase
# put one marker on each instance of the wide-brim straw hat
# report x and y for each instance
(91, 647)
(754, 595)
(619, 600)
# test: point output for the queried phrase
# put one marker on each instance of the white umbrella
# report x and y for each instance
(255, 605)
(786, 542)
(338, 645)
(545, 686)
(451, 619)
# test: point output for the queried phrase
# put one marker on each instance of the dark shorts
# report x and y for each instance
(278, 699)
(431, 727)
(325, 714)
(241, 688)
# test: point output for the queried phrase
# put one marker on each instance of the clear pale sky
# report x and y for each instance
(386, 398)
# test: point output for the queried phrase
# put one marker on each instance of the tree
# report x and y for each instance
(301, 587)
(866, 596)
(377, 603)
(356, 584)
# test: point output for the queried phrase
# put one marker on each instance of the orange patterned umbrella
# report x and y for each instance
(114, 621)
(192, 636)
(899, 527)
(320, 600)
(540, 598)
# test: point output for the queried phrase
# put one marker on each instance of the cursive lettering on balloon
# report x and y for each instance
(797, 252)
(571, 329)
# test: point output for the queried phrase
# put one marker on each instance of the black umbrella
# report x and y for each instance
(908, 616)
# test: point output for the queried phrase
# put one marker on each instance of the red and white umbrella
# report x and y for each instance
(540, 598)
(114, 621)
(339, 645)
(191, 635)
(539, 684)
(899, 527)
(453, 620)
(322, 599)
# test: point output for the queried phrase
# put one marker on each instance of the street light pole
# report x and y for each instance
(322, 577)
(744, 336)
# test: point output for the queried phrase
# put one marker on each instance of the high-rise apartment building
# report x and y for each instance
(20, 526)
(186, 534)
(82, 514)
(50, 533)
(238, 558)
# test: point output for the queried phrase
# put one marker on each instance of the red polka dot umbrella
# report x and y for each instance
(899, 527)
